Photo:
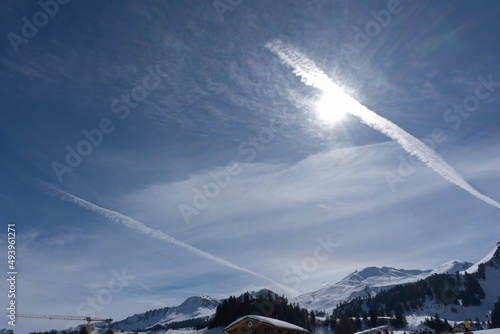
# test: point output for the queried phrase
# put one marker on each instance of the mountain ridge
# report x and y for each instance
(194, 310)
(443, 294)
(360, 283)
(196, 307)
(370, 281)
(366, 282)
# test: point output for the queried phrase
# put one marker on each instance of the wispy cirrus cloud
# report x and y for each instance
(156, 234)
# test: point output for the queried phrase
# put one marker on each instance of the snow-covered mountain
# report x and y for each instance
(366, 282)
(191, 308)
(199, 307)
(478, 302)
(6, 331)
(262, 293)
(491, 260)
(451, 267)
(488, 271)
(490, 284)
(369, 282)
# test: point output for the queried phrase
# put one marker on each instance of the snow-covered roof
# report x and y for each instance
(105, 330)
(375, 329)
(268, 321)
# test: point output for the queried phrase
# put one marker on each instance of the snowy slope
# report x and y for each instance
(370, 281)
(452, 311)
(263, 293)
(490, 258)
(451, 267)
(193, 307)
(490, 285)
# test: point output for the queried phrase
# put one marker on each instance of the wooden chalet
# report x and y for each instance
(256, 324)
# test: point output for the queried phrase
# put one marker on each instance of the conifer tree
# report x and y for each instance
(495, 315)
(313, 320)
(345, 325)
(373, 315)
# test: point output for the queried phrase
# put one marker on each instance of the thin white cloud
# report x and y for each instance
(311, 75)
(157, 234)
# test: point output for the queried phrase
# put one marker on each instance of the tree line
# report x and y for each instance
(271, 305)
(446, 289)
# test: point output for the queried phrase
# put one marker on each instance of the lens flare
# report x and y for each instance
(329, 110)
(311, 75)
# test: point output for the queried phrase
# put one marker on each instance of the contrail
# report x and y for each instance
(311, 75)
(157, 234)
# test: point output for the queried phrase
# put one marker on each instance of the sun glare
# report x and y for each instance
(330, 109)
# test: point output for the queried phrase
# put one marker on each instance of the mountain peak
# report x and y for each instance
(192, 304)
(492, 259)
(192, 308)
(362, 283)
(452, 267)
(375, 276)
(371, 280)
(262, 293)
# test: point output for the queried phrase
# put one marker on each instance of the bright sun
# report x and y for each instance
(330, 109)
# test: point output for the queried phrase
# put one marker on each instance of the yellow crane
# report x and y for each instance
(64, 317)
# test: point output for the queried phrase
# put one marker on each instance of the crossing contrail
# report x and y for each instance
(311, 75)
(157, 234)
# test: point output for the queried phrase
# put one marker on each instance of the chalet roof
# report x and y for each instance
(375, 329)
(268, 321)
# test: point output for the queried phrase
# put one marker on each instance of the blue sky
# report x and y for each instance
(169, 100)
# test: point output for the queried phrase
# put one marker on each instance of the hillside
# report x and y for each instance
(196, 309)
(369, 282)
(191, 313)
(414, 294)
(440, 293)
